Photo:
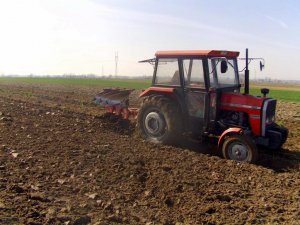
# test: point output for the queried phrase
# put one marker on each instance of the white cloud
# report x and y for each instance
(281, 23)
(196, 27)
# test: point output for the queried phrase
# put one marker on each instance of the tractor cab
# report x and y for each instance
(196, 77)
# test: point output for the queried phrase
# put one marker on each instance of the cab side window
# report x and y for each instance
(193, 73)
(167, 72)
(194, 80)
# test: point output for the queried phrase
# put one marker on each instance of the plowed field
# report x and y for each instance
(63, 162)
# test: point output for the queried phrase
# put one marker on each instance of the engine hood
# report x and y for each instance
(241, 102)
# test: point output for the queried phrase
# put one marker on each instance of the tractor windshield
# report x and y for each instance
(229, 78)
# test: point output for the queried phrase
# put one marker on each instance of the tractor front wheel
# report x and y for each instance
(240, 148)
(159, 120)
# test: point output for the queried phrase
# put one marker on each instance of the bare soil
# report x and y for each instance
(63, 162)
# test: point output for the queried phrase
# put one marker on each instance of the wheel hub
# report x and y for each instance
(238, 152)
(154, 124)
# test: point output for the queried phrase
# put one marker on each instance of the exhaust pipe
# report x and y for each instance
(247, 74)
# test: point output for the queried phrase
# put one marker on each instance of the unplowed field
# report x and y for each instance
(63, 162)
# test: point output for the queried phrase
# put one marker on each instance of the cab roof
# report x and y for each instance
(216, 53)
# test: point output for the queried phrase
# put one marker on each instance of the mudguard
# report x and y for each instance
(229, 131)
(152, 90)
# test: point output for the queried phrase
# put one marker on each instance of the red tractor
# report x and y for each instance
(197, 92)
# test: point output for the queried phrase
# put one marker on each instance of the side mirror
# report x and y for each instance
(224, 66)
(261, 66)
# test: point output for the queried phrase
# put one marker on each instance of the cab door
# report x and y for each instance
(196, 95)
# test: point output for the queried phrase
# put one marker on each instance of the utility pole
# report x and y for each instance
(116, 63)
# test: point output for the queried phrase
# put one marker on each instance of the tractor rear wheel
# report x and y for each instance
(239, 148)
(159, 120)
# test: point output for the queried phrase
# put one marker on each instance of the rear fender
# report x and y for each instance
(171, 93)
(157, 90)
(162, 91)
(229, 132)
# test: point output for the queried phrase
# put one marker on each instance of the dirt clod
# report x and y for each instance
(83, 220)
(76, 164)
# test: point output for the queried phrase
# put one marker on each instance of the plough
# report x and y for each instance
(116, 101)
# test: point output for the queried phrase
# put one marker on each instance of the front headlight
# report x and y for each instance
(268, 114)
(270, 120)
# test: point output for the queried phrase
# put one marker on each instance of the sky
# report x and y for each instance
(53, 37)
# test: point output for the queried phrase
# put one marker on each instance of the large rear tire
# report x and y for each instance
(159, 120)
(240, 148)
